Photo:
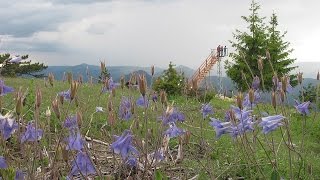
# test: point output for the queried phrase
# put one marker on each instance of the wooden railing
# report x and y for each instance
(204, 68)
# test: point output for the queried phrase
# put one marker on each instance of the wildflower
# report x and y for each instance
(173, 131)
(242, 127)
(65, 94)
(82, 164)
(108, 86)
(142, 84)
(19, 175)
(131, 161)
(285, 85)
(4, 89)
(71, 122)
(31, 134)
(251, 99)
(271, 123)
(256, 83)
(206, 109)
(302, 108)
(125, 109)
(99, 109)
(142, 102)
(172, 115)
(15, 59)
(123, 145)
(155, 97)
(220, 127)
(7, 125)
(74, 141)
(241, 114)
(157, 156)
(3, 163)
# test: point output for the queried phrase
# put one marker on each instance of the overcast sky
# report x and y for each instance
(144, 32)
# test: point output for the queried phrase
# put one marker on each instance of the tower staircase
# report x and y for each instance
(204, 69)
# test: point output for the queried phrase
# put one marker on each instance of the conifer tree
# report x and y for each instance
(21, 67)
(251, 45)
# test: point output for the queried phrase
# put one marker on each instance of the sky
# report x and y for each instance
(144, 32)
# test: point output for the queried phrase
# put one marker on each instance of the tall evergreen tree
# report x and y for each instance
(279, 51)
(252, 45)
(20, 67)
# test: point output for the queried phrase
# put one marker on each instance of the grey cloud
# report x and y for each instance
(99, 28)
(78, 1)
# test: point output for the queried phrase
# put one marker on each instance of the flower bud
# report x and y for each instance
(282, 95)
(274, 100)
(275, 80)
(122, 82)
(113, 92)
(299, 77)
(284, 83)
(19, 104)
(260, 64)
(55, 107)
(61, 98)
(163, 97)
(187, 136)
(74, 89)
(240, 100)
(51, 78)
(79, 118)
(38, 98)
(251, 95)
(142, 85)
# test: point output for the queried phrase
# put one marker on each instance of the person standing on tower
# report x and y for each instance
(218, 51)
(225, 50)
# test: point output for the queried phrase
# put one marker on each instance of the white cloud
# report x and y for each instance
(144, 32)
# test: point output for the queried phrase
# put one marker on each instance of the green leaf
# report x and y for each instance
(159, 175)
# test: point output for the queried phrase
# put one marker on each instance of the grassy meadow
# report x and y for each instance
(197, 154)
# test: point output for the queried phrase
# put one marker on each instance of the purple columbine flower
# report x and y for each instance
(75, 142)
(206, 109)
(271, 123)
(65, 94)
(7, 125)
(131, 161)
(5, 89)
(241, 114)
(289, 87)
(111, 85)
(256, 83)
(71, 122)
(15, 59)
(257, 99)
(173, 131)
(3, 163)
(82, 164)
(155, 97)
(142, 102)
(302, 108)
(242, 127)
(31, 134)
(125, 109)
(19, 175)
(220, 127)
(123, 145)
(172, 117)
(158, 155)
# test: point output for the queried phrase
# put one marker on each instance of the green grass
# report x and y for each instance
(220, 158)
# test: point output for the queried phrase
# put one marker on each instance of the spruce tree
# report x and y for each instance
(24, 67)
(251, 45)
(279, 52)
